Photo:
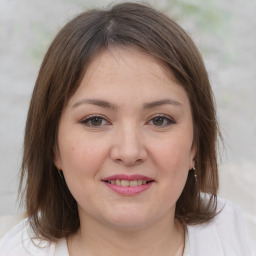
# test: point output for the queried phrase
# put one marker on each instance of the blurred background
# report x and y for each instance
(225, 32)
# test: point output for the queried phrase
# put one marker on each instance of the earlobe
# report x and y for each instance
(57, 159)
(192, 164)
(193, 156)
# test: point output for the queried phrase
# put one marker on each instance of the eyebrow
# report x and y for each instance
(106, 104)
(97, 102)
(162, 102)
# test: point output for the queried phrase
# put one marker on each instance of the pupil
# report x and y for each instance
(96, 121)
(158, 121)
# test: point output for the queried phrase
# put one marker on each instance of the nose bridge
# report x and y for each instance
(128, 145)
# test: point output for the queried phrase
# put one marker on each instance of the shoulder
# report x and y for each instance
(18, 242)
(224, 235)
(8, 222)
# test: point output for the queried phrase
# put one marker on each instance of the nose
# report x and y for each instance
(128, 146)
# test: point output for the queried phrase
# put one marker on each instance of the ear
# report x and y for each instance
(192, 156)
(57, 158)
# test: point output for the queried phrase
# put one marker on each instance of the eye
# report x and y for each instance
(161, 121)
(95, 121)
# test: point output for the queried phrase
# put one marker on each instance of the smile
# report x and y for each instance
(128, 183)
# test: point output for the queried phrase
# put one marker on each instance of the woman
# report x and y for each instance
(120, 145)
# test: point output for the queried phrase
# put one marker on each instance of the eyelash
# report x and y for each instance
(168, 121)
(91, 118)
(86, 122)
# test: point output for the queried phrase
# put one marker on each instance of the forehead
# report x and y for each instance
(128, 74)
(125, 61)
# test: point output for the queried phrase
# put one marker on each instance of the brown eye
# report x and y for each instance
(161, 121)
(94, 121)
(158, 120)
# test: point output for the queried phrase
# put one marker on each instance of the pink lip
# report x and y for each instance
(128, 177)
(128, 190)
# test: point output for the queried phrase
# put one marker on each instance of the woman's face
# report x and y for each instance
(129, 123)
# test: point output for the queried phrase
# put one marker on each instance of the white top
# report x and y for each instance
(62, 250)
(223, 236)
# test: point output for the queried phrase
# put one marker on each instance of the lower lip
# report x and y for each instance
(129, 190)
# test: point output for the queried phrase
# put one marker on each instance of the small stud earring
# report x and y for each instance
(195, 175)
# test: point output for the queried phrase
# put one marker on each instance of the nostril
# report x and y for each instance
(128, 153)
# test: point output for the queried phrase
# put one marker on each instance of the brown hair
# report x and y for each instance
(51, 208)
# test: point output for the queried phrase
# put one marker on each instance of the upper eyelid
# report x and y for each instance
(162, 115)
(93, 116)
(90, 117)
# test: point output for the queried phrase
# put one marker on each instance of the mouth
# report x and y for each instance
(128, 183)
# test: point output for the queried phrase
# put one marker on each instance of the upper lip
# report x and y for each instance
(128, 177)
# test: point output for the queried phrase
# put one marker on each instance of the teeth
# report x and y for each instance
(133, 183)
(127, 183)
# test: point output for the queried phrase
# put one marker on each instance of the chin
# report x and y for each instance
(128, 220)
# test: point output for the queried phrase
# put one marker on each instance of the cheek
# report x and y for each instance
(81, 157)
(174, 152)
(81, 164)
(173, 158)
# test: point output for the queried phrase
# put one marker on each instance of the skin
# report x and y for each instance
(127, 138)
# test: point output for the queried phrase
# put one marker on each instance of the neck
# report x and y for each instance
(163, 238)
